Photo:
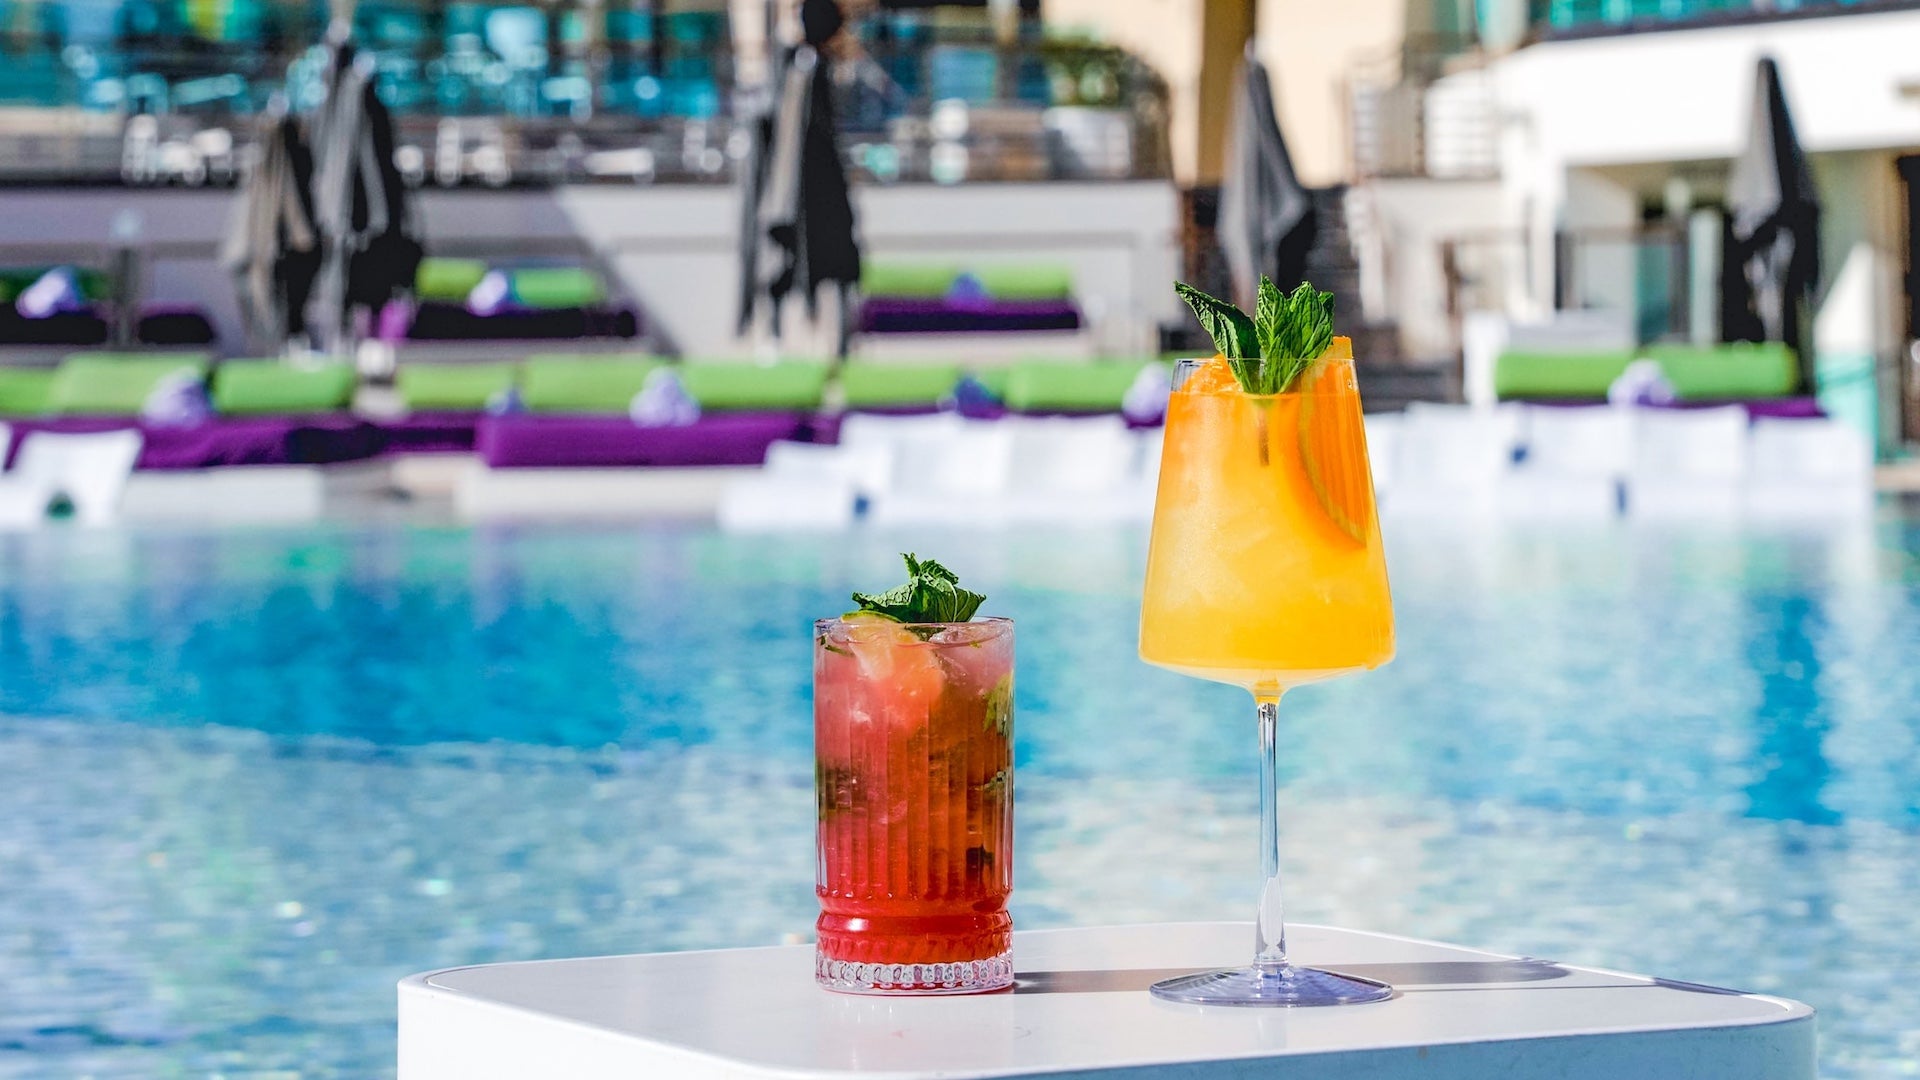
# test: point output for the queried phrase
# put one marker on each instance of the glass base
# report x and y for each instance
(963, 977)
(1287, 987)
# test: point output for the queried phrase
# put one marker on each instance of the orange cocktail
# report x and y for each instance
(1266, 569)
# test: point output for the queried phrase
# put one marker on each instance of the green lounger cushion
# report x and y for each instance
(115, 384)
(583, 384)
(1533, 375)
(25, 391)
(926, 281)
(447, 279)
(1016, 281)
(452, 387)
(879, 386)
(270, 387)
(94, 285)
(740, 385)
(1738, 372)
(1069, 386)
(557, 287)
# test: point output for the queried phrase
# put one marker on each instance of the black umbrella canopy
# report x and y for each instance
(797, 217)
(1266, 224)
(1771, 257)
(273, 247)
(361, 203)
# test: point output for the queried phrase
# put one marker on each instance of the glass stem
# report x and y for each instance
(1270, 928)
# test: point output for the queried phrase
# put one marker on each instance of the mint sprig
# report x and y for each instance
(1268, 352)
(932, 594)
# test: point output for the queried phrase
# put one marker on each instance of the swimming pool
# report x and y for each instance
(250, 778)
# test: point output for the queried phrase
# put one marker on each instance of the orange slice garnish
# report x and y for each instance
(1333, 441)
(1213, 377)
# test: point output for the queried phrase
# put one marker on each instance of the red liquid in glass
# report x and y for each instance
(913, 739)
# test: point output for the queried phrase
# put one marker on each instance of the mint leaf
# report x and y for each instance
(1232, 332)
(932, 594)
(1295, 329)
(1268, 352)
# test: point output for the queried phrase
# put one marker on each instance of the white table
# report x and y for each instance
(1081, 1010)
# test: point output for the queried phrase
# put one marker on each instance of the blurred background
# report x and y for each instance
(430, 427)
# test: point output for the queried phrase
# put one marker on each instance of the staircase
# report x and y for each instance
(1387, 381)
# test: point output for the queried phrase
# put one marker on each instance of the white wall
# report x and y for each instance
(675, 247)
(1400, 226)
(1686, 96)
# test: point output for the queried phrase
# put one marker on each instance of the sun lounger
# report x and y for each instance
(959, 477)
(1449, 461)
(1808, 470)
(1065, 387)
(903, 315)
(115, 384)
(274, 388)
(1076, 470)
(897, 388)
(737, 386)
(89, 472)
(444, 403)
(25, 391)
(601, 385)
(441, 321)
(238, 440)
(453, 388)
(1574, 462)
(530, 440)
(1718, 373)
(1688, 463)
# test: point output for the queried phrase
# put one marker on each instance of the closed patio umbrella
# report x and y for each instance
(273, 248)
(1266, 223)
(1771, 256)
(797, 219)
(360, 201)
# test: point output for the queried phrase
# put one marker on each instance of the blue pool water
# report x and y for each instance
(250, 778)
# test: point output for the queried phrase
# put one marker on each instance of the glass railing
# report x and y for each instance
(1587, 16)
(503, 93)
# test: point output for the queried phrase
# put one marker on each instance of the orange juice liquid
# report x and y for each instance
(1266, 568)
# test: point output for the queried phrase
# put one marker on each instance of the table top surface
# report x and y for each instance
(1080, 1003)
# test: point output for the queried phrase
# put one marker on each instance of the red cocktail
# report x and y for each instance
(913, 743)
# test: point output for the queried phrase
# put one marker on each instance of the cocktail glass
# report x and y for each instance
(1266, 571)
(913, 749)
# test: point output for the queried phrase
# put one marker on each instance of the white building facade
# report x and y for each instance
(1613, 142)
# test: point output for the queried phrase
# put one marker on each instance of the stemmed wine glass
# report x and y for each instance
(1266, 571)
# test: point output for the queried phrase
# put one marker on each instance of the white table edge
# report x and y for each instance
(1790, 1011)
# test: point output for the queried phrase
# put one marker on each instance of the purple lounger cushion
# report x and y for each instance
(441, 321)
(912, 315)
(244, 440)
(524, 441)
(431, 433)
